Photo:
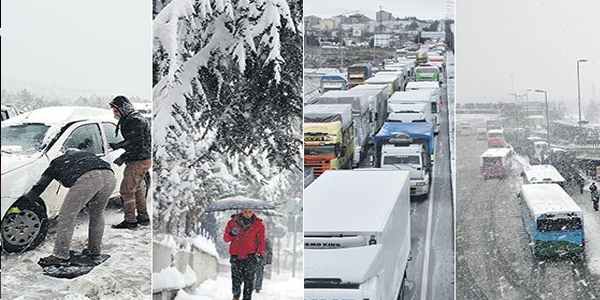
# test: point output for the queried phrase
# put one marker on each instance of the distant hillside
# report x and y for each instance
(15, 85)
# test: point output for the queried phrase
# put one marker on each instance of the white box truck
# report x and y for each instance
(414, 96)
(380, 91)
(356, 235)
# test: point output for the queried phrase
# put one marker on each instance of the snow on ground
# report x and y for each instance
(591, 228)
(126, 275)
(279, 287)
(591, 221)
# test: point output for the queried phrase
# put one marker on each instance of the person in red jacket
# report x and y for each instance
(246, 232)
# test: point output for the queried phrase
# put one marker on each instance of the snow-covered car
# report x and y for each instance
(29, 142)
(8, 112)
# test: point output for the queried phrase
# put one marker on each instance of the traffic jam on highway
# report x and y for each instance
(378, 179)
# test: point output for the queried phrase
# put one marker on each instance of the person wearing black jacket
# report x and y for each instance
(91, 181)
(266, 259)
(135, 130)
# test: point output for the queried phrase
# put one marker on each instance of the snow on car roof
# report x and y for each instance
(496, 152)
(542, 174)
(58, 115)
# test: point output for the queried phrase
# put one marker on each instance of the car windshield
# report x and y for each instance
(24, 138)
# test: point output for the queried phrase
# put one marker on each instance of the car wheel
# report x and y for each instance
(24, 228)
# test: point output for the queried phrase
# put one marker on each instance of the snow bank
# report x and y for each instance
(171, 279)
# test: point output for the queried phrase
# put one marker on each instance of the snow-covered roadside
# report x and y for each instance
(591, 228)
(126, 275)
(279, 287)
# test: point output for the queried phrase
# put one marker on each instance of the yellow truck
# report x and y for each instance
(328, 137)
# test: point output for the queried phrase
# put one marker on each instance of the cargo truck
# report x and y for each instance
(363, 117)
(333, 82)
(409, 112)
(410, 147)
(328, 137)
(430, 97)
(392, 80)
(357, 235)
(358, 73)
(380, 91)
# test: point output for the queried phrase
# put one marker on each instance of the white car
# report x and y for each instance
(8, 112)
(29, 142)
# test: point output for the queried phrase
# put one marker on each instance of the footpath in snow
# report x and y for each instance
(279, 287)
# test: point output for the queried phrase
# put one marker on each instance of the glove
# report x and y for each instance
(234, 231)
(114, 146)
(119, 161)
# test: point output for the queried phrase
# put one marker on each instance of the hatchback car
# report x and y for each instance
(29, 142)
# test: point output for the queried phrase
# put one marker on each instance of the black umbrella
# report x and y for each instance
(239, 202)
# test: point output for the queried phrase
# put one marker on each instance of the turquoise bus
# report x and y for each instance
(553, 220)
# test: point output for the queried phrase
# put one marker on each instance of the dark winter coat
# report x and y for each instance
(268, 257)
(67, 168)
(248, 241)
(135, 130)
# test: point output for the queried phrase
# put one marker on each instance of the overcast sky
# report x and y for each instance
(423, 9)
(103, 46)
(531, 44)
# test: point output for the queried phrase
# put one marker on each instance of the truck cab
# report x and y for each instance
(408, 147)
(401, 153)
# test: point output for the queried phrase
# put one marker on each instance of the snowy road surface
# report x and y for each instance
(126, 275)
(493, 259)
(279, 287)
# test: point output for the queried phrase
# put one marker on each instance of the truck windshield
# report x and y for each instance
(321, 150)
(401, 160)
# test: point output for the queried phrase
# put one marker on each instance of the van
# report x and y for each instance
(495, 162)
(542, 174)
(496, 139)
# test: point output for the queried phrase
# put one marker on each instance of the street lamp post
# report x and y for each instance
(579, 89)
(547, 115)
(516, 109)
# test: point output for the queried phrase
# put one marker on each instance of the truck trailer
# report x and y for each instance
(363, 117)
(328, 137)
(357, 235)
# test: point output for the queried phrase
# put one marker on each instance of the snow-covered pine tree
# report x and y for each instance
(227, 104)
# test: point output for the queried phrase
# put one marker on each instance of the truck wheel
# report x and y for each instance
(24, 229)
